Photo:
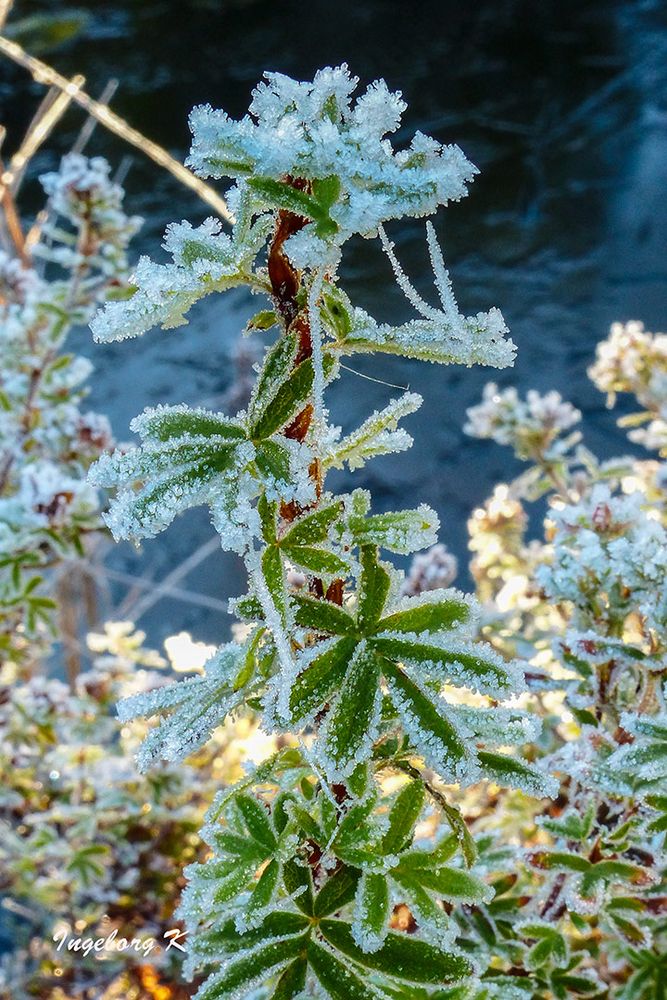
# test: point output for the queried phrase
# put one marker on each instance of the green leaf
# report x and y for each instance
(373, 590)
(273, 573)
(453, 884)
(401, 956)
(276, 369)
(619, 871)
(289, 398)
(257, 820)
(428, 616)
(226, 938)
(292, 981)
(242, 848)
(265, 888)
(299, 884)
(460, 830)
(321, 676)
(337, 979)
(168, 422)
(313, 528)
(326, 190)
(434, 736)
(322, 615)
(510, 772)
(279, 194)
(459, 666)
(267, 510)
(404, 814)
(262, 320)
(337, 891)
(402, 531)
(155, 503)
(335, 311)
(371, 911)
(351, 722)
(252, 968)
(314, 560)
(273, 461)
(232, 884)
(560, 860)
(417, 858)
(422, 904)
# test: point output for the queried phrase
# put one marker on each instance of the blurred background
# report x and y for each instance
(562, 104)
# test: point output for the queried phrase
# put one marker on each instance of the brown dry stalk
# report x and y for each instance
(42, 73)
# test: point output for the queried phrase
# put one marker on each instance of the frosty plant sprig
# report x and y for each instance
(47, 440)
(313, 854)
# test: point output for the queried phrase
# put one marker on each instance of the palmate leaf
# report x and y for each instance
(195, 456)
(303, 543)
(415, 632)
(181, 473)
(197, 706)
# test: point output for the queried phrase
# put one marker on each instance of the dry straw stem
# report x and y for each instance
(5, 7)
(46, 117)
(42, 73)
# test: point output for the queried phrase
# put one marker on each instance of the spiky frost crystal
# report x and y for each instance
(363, 680)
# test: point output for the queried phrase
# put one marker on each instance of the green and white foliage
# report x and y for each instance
(47, 439)
(587, 606)
(384, 698)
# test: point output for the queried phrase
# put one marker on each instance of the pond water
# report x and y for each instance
(562, 105)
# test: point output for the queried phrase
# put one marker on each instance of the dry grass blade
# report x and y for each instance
(90, 123)
(46, 118)
(42, 73)
(5, 7)
(11, 222)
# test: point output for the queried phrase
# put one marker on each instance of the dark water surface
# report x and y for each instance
(562, 105)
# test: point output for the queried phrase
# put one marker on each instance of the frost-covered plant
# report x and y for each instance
(588, 607)
(47, 441)
(88, 846)
(330, 872)
(635, 361)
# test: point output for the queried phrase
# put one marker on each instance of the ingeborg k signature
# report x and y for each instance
(114, 943)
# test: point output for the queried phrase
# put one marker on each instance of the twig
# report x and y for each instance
(42, 73)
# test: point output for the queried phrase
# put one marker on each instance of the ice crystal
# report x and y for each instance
(313, 130)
